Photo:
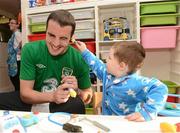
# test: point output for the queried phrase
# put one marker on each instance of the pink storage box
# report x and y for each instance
(159, 37)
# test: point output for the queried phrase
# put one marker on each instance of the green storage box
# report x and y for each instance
(162, 19)
(172, 87)
(36, 28)
(159, 7)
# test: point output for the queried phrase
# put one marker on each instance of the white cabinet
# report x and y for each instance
(97, 12)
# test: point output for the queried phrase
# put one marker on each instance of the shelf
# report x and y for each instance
(114, 41)
(127, 11)
(104, 51)
(105, 9)
(67, 6)
(103, 4)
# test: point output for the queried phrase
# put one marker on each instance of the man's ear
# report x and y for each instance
(17, 25)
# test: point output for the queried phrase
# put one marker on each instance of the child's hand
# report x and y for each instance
(135, 117)
(81, 46)
(86, 95)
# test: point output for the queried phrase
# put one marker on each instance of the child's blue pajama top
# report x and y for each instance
(128, 94)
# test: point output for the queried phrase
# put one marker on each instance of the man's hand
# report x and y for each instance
(135, 117)
(85, 95)
(71, 80)
(61, 95)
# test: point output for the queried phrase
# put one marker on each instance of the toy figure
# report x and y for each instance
(106, 30)
(41, 2)
(124, 36)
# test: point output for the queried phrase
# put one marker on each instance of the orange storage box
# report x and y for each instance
(36, 37)
(159, 37)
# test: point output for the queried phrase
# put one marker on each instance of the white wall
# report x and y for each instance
(163, 64)
(175, 62)
(157, 64)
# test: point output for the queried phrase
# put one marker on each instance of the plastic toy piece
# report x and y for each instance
(72, 93)
(73, 40)
(178, 127)
(97, 124)
(124, 36)
(167, 128)
(106, 30)
(171, 106)
(72, 128)
(29, 119)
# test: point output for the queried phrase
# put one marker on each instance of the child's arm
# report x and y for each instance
(155, 99)
(94, 63)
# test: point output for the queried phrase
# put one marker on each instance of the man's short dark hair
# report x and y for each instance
(63, 18)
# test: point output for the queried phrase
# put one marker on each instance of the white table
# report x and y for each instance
(115, 123)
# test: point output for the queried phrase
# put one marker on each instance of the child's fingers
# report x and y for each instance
(88, 99)
(77, 44)
(135, 117)
(132, 117)
(140, 119)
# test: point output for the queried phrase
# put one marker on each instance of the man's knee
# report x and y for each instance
(12, 101)
(73, 105)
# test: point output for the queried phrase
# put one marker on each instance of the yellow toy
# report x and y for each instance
(124, 36)
(167, 128)
(73, 40)
(72, 93)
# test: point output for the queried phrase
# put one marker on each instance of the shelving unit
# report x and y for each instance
(162, 68)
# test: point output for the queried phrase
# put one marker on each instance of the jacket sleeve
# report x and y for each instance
(155, 100)
(94, 63)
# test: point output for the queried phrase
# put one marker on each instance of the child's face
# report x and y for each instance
(114, 67)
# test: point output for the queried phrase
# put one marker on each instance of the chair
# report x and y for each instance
(97, 101)
(171, 108)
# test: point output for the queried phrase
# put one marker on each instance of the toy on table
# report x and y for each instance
(29, 119)
(72, 128)
(95, 123)
(167, 128)
(59, 118)
(11, 124)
